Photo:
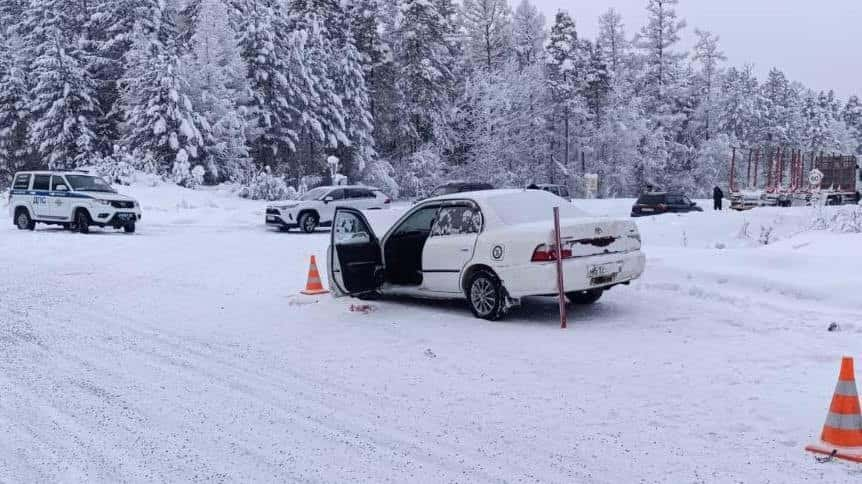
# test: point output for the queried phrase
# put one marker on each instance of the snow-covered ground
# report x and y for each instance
(184, 353)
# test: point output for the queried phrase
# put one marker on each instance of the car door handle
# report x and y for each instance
(465, 249)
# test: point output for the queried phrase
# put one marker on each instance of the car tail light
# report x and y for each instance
(662, 206)
(387, 201)
(547, 253)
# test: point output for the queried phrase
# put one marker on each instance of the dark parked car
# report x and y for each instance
(656, 203)
(459, 187)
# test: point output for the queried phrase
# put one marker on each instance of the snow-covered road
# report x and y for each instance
(184, 353)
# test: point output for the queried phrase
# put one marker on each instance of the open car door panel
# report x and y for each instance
(354, 254)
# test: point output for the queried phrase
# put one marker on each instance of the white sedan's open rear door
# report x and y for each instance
(354, 254)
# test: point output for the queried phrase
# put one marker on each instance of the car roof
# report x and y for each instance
(331, 187)
(465, 184)
(53, 172)
(478, 195)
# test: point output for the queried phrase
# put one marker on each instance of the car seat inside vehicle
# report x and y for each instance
(403, 250)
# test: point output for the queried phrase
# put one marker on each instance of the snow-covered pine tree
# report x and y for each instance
(741, 112)
(657, 40)
(852, 116)
(425, 82)
(612, 38)
(709, 56)
(161, 124)
(528, 34)
(597, 84)
(368, 28)
(216, 78)
(822, 130)
(783, 110)
(64, 108)
(338, 120)
(15, 150)
(488, 25)
(565, 61)
(263, 40)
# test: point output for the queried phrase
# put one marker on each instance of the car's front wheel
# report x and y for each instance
(129, 228)
(585, 297)
(308, 222)
(486, 296)
(81, 222)
(23, 220)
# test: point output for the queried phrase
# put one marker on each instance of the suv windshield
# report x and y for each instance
(88, 183)
(315, 194)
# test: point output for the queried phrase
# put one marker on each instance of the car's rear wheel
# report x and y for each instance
(585, 297)
(23, 220)
(81, 223)
(486, 296)
(308, 222)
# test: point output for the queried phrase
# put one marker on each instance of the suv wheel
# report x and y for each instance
(308, 222)
(486, 296)
(585, 297)
(81, 223)
(129, 228)
(23, 220)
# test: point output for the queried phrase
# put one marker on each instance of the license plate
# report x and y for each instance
(604, 269)
(270, 218)
(647, 210)
(124, 216)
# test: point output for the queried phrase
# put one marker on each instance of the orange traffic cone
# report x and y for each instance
(314, 286)
(842, 432)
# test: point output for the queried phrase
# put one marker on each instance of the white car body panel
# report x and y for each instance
(289, 212)
(56, 206)
(605, 252)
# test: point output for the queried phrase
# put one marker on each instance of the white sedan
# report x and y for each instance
(491, 248)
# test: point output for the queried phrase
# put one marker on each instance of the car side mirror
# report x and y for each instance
(328, 199)
(61, 188)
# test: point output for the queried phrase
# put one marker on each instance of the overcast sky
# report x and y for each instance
(816, 42)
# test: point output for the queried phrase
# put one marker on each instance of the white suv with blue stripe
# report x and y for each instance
(74, 199)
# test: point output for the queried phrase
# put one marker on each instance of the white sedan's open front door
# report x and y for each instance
(354, 254)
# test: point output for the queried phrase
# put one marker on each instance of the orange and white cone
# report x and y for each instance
(842, 432)
(314, 286)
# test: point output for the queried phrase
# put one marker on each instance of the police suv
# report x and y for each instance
(74, 199)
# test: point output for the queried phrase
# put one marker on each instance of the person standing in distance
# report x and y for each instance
(717, 196)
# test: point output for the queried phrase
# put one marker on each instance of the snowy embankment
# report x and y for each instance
(184, 352)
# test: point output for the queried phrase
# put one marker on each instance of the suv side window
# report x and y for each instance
(359, 193)
(42, 182)
(56, 181)
(457, 220)
(564, 192)
(22, 182)
(337, 194)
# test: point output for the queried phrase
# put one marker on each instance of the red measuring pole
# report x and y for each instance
(559, 256)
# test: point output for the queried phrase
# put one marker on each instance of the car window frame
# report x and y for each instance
(27, 186)
(63, 180)
(366, 193)
(392, 230)
(455, 204)
(36, 177)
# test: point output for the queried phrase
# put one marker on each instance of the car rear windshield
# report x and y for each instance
(532, 206)
(89, 183)
(651, 199)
